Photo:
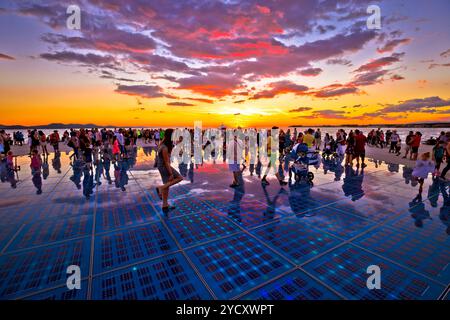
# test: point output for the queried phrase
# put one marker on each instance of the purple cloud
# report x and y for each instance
(144, 91)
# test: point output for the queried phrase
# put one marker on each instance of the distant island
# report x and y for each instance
(56, 126)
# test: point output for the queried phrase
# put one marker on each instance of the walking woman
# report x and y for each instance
(349, 152)
(169, 175)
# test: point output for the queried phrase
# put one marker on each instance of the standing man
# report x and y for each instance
(408, 142)
(360, 148)
(318, 138)
(415, 146)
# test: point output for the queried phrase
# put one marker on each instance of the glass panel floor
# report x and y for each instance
(250, 242)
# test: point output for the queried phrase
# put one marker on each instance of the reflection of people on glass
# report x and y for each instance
(270, 211)
(353, 181)
(191, 172)
(106, 155)
(11, 169)
(3, 169)
(88, 182)
(36, 165)
(98, 163)
(56, 162)
(77, 167)
(423, 167)
(418, 212)
(45, 168)
(169, 175)
(433, 193)
(407, 174)
(121, 174)
(299, 197)
(444, 214)
(234, 209)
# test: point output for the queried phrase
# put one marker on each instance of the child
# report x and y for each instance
(423, 166)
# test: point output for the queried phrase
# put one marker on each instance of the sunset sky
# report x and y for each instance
(246, 63)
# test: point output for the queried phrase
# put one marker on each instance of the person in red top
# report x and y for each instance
(415, 146)
(360, 148)
(54, 141)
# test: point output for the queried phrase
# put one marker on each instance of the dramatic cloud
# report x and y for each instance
(311, 72)
(88, 59)
(144, 91)
(201, 100)
(368, 78)
(180, 104)
(397, 77)
(300, 109)
(325, 114)
(434, 65)
(417, 105)
(445, 54)
(339, 61)
(157, 63)
(334, 91)
(392, 44)
(213, 85)
(280, 87)
(6, 57)
(108, 75)
(381, 62)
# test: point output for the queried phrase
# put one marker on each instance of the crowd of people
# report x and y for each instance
(95, 151)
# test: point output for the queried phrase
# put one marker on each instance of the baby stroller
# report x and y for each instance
(303, 159)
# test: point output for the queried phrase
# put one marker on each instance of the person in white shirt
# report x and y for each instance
(394, 140)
